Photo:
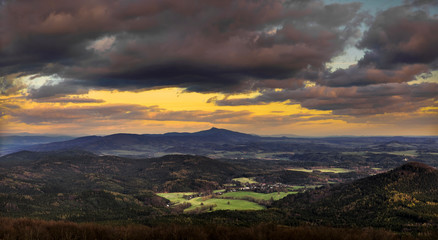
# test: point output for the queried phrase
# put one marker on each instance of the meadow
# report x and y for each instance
(176, 197)
(407, 153)
(258, 196)
(213, 204)
(240, 200)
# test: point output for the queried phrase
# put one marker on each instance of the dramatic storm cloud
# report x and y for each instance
(186, 65)
(203, 46)
(122, 112)
(372, 99)
(399, 46)
(401, 35)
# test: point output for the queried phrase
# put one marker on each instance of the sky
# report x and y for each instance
(273, 67)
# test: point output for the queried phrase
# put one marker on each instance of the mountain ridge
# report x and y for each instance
(223, 143)
(114, 141)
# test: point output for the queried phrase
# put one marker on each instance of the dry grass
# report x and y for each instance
(51, 230)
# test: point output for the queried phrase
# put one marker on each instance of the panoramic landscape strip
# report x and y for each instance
(229, 119)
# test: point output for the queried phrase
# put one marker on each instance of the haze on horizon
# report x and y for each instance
(273, 67)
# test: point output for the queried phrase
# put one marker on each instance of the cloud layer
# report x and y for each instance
(280, 49)
(399, 45)
(206, 46)
(367, 100)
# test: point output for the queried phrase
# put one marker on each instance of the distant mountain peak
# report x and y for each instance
(215, 130)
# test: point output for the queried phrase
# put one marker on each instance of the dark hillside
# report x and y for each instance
(82, 186)
(405, 196)
(61, 230)
(179, 173)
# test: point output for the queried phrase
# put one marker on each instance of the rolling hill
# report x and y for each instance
(403, 197)
(67, 168)
(13, 143)
(81, 186)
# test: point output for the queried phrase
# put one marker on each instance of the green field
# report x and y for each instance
(296, 187)
(256, 155)
(175, 197)
(217, 204)
(408, 153)
(244, 180)
(324, 170)
(222, 204)
(258, 196)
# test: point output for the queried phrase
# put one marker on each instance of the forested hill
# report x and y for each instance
(82, 186)
(403, 197)
(68, 170)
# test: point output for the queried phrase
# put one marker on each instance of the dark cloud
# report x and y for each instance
(401, 35)
(399, 45)
(9, 85)
(421, 3)
(53, 115)
(96, 115)
(203, 46)
(6, 106)
(360, 76)
(366, 100)
(219, 46)
(424, 119)
(69, 100)
(56, 90)
(126, 112)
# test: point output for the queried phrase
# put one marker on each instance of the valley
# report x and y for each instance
(331, 182)
(211, 120)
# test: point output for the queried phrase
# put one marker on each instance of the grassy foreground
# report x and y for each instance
(48, 230)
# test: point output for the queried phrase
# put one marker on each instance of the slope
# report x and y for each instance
(82, 186)
(406, 196)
